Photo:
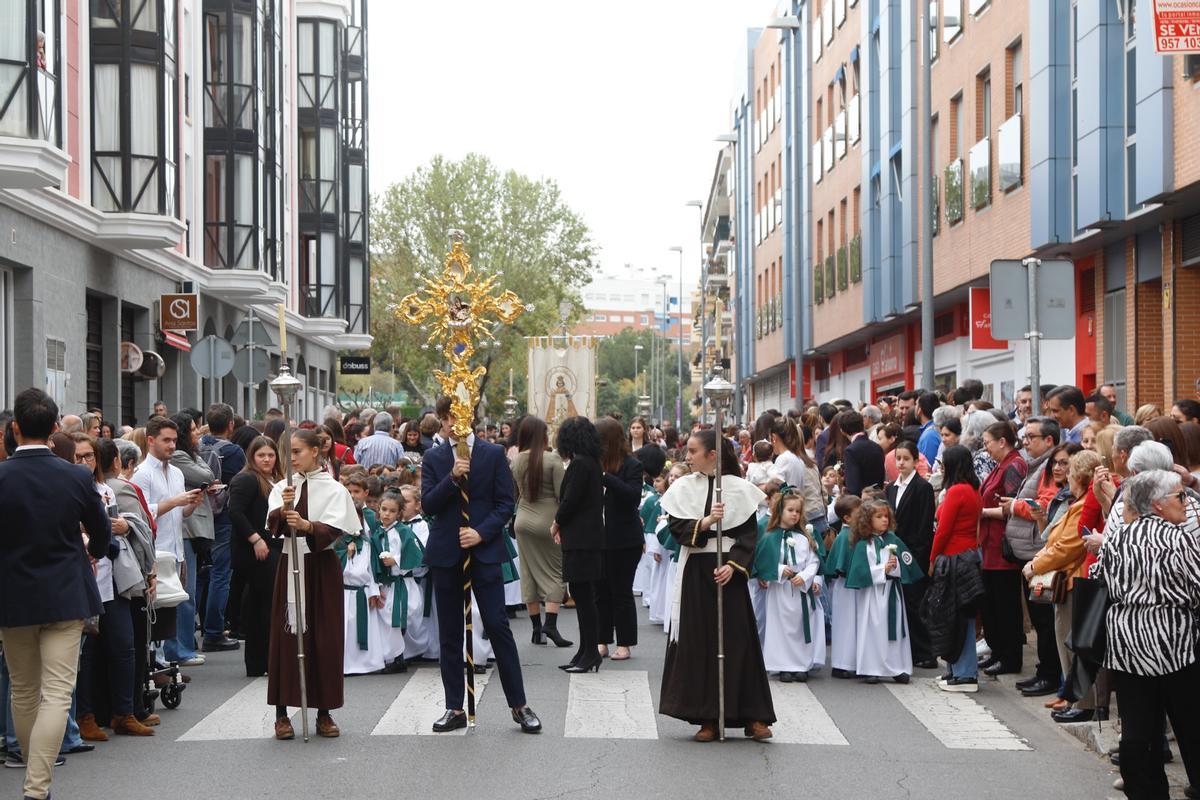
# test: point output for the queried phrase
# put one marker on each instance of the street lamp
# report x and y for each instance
(679, 344)
(663, 280)
(637, 348)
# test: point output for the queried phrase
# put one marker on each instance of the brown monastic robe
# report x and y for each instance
(324, 607)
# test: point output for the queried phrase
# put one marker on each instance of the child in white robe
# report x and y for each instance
(400, 553)
(421, 635)
(365, 632)
(843, 638)
(878, 565)
(787, 564)
(645, 567)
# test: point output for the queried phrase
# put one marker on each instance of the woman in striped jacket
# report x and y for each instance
(1151, 567)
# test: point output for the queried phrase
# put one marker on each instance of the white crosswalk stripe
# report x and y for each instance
(958, 721)
(801, 717)
(619, 704)
(246, 715)
(420, 701)
(611, 705)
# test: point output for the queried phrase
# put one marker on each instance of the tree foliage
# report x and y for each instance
(615, 365)
(514, 224)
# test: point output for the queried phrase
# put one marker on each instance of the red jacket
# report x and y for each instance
(1003, 481)
(957, 521)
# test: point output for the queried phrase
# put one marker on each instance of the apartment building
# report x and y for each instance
(157, 147)
(613, 304)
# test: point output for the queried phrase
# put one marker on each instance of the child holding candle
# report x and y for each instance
(787, 564)
(879, 563)
(400, 553)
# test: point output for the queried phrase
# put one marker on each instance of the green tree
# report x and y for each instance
(615, 366)
(513, 224)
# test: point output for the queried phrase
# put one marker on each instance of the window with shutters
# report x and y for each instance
(1191, 240)
(1114, 343)
(94, 351)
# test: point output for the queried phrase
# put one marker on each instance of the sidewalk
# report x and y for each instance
(1101, 738)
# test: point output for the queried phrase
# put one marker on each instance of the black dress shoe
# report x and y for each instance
(81, 748)
(785, 677)
(842, 673)
(1072, 715)
(1039, 688)
(1027, 682)
(999, 668)
(987, 662)
(481, 669)
(872, 679)
(216, 644)
(903, 677)
(528, 720)
(585, 665)
(396, 667)
(931, 663)
(450, 721)
(1191, 792)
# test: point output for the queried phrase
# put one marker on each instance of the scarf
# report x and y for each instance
(328, 503)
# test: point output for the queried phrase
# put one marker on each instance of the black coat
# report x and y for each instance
(914, 518)
(622, 497)
(45, 575)
(862, 465)
(580, 514)
(950, 600)
(248, 514)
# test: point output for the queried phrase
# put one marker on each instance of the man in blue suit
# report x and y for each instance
(47, 588)
(490, 489)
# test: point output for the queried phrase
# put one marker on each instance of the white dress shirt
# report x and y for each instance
(159, 481)
(902, 484)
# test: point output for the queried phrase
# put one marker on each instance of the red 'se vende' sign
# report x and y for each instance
(1177, 26)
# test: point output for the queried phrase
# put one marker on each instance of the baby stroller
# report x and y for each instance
(162, 683)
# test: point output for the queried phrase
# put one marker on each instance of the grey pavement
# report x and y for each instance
(880, 741)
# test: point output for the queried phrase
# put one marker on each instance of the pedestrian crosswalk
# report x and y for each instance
(620, 704)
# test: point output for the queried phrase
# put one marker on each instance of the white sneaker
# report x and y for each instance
(194, 661)
(982, 649)
(964, 685)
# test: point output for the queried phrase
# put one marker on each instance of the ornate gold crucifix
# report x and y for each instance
(460, 310)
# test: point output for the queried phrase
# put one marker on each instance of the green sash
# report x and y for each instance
(360, 611)
(894, 610)
(651, 508)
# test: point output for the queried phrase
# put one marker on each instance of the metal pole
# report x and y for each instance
(927, 361)
(212, 373)
(635, 372)
(720, 441)
(679, 353)
(1034, 336)
(296, 567)
(250, 372)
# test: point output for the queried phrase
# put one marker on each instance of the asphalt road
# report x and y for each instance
(835, 738)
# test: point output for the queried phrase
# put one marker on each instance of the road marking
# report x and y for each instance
(958, 721)
(801, 719)
(246, 715)
(613, 705)
(419, 703)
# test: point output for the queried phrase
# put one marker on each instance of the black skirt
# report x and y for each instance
(582, 565)
(689, 684)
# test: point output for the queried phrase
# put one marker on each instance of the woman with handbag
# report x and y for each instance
(1151, 567)
(1052, 573)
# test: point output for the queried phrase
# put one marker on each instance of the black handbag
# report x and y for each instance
(1089, 606)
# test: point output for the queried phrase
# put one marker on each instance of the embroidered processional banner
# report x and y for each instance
(562, 378)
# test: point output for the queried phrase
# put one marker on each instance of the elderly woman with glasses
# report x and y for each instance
(1151, 567)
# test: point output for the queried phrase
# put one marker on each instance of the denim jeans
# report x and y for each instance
(71, 738)
(218, 579)
(967, 665)
(183, 646)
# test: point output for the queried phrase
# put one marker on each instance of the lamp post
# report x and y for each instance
(286, 386)
(637, 348)
(679, 346)
(662, 351)
(719, 392)
(699, 206)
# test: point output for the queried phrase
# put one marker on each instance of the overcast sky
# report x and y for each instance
(617, 101)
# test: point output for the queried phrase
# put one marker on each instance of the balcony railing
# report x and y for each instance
(856, 258)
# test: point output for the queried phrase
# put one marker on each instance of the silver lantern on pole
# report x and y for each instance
(286, 387)
(719, 392)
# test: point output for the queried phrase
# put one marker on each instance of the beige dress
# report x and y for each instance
(541, 558)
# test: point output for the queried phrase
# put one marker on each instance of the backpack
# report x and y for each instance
(211, 454)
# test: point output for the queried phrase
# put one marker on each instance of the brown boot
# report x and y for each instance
(151, 720)
(284, 729)
(128, 725)
(707, 732)
(89, 729)
(758, 731)
(328, 728)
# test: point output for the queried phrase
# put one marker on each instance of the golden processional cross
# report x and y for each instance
(460, 311)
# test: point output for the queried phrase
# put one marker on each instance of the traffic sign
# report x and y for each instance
(263, 336)
(179, 312)
(248, 358)
(1055, 299)
(212, 357)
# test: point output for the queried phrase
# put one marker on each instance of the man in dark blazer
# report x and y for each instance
(912, 500)
(862, 460)
(489, 486)
(47, 588)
